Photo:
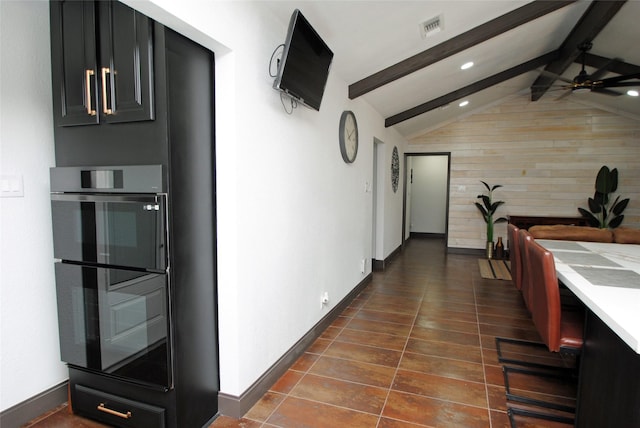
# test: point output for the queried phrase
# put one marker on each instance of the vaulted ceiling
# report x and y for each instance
(415, 81)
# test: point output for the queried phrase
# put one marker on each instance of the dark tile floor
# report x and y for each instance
(415, 349)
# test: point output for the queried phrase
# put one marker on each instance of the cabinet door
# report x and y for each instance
(126, 63)
(73, 58)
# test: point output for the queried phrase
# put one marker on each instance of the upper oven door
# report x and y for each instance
(114, 230)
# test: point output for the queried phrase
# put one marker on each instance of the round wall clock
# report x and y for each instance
(348, 135)
(395, 169)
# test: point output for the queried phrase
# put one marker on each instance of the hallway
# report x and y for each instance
(415, 349)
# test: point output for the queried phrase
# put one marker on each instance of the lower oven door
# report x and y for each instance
(115, 321)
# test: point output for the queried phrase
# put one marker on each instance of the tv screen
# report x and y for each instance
(304, 68)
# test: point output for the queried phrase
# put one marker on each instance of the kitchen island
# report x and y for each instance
(606, 278)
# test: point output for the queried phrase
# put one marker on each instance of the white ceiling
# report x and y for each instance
(368, 36)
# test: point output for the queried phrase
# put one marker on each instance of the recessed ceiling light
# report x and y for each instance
(633, 93)
(466, 65)
(463, 103)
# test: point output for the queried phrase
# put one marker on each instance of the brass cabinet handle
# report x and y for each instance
(105, 409)
(88, 74)
(105, 109)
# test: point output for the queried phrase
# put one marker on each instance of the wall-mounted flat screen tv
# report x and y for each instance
(305, 63)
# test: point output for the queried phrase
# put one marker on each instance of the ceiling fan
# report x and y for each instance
(585, 82)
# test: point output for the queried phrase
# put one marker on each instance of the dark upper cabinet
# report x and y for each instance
(102, 63)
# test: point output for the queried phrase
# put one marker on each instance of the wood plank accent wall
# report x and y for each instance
(546, 154)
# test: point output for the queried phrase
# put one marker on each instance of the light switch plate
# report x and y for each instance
(11, 186)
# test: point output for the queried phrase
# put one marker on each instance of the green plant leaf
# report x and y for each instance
(616, 221)
(618, 207)
(603, 180)
(613, 177)
(601, 198)
(501, 220)
(593, 221)
(495, 206)
(496, 187)
(486, 185)
(595, 206)
(487, 203)
(482, 210)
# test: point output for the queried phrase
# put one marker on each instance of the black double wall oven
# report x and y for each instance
(111, 250)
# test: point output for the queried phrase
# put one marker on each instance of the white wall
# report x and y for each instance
(429, 194)
(29, 350)
(294, 220)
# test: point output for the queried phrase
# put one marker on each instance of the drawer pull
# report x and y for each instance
(102, 408)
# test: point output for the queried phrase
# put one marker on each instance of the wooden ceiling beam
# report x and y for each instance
(590, 24)
(618, 67)
(477, 35)
(471, 89)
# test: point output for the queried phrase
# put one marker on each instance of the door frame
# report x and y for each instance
(404, 196)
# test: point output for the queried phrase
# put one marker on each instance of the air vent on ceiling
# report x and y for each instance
(431, 27)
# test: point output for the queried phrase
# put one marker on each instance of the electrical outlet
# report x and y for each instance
(324, 299)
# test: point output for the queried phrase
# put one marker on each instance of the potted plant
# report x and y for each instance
(601, 213)
(488, 208)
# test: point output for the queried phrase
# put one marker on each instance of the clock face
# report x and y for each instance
(348, 134)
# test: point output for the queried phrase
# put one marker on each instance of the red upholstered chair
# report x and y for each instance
(520, 275)
(514, 255)
(523, 237)
(560, 330)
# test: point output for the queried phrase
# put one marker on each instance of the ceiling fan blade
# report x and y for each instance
(605, 91)
(565, 95)
(555, 76)
(607, 82)
(596, 75)
(618, 85)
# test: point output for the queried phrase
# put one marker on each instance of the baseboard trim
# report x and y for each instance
(18, 415)
(469, 251)
(377, 265)
(380, 265)
(426, 235)
(236, 406)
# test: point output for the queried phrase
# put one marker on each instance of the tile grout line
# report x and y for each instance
(331, 342)
(306, 372)
(484, 367)
(404, 350)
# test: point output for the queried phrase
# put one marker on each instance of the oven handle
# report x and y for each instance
(77, 197)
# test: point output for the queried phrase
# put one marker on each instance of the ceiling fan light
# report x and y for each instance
(466, 65)
(463, 103)
(633, 93)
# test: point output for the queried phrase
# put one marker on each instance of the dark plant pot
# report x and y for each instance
(489, 250)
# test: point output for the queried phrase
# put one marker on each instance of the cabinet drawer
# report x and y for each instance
(116, 411)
